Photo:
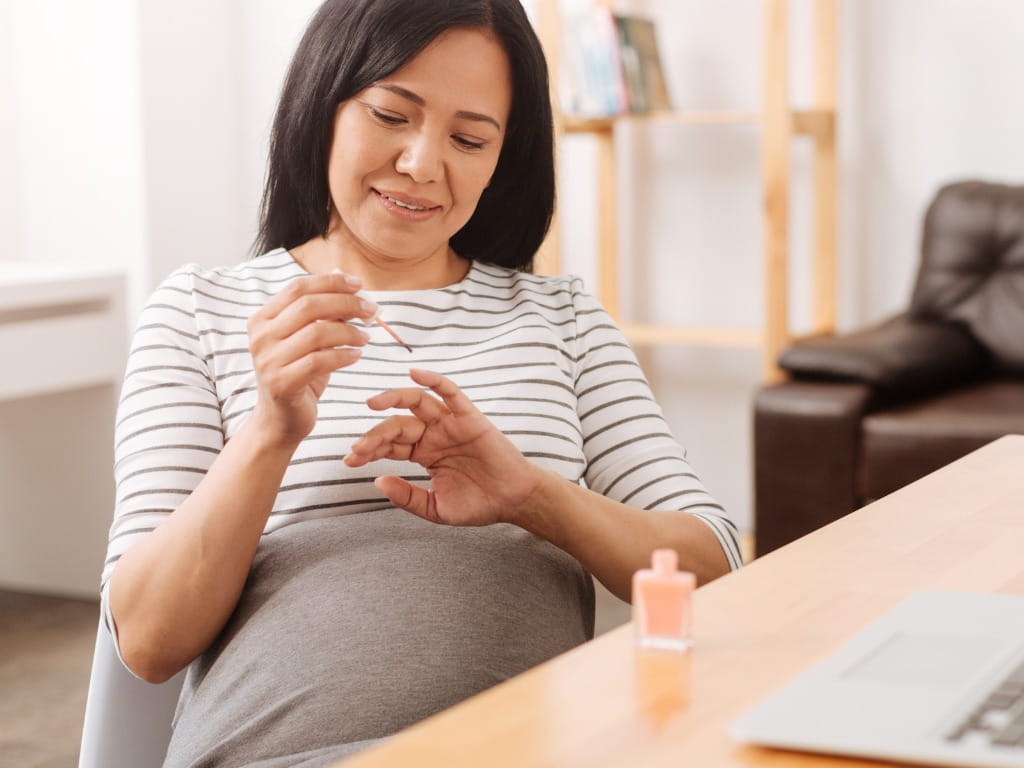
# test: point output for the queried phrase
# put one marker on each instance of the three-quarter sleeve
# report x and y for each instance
(631, 455)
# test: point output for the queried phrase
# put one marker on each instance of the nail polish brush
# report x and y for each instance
(390, 330)
(376, 319)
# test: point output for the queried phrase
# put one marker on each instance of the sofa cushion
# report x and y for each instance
(904, 443)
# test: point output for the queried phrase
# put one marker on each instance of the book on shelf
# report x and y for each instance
(639, 45)
(611, 65)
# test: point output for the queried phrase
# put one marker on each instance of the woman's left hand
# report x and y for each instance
(479, 476)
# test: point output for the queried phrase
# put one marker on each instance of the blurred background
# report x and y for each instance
(133, 138)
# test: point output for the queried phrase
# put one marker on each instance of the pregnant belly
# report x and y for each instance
(353, 627)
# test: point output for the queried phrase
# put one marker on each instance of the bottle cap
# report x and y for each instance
(665, 561)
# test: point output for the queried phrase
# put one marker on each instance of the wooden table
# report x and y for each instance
(607, 704)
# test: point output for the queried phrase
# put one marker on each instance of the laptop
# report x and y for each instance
(938, 680)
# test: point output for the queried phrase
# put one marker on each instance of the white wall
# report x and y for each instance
(139, 128)
(940, 84)
(56, 459)
(10, 233)
(191, 109)
(73, 154)
(138, 135)
(269, 33)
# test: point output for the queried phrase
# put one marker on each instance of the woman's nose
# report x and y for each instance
(420, 159)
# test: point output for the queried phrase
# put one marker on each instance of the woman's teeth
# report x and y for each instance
(403, 205)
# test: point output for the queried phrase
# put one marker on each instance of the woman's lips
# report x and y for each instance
(406, 207)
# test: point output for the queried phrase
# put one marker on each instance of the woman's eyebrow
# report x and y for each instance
(418, 100)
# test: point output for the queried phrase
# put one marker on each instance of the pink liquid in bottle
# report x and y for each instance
(662, 611)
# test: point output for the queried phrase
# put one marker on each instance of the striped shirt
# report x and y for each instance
(537, 355)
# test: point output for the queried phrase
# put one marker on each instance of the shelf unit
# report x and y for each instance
(779, 123)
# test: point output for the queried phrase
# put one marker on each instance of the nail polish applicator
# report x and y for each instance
(376, 320)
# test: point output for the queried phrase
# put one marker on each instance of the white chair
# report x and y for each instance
(127, 720)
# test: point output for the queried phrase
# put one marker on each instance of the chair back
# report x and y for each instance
(972, 266)
(127, 720)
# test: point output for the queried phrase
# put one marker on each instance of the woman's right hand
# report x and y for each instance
(296, 340)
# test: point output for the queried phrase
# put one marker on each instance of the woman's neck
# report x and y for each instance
(320, 255)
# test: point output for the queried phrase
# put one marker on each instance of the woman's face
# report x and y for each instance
(412, 153)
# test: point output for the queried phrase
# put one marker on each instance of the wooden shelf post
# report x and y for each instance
(776, 134)
(607, 228)
(549, 29)
(824, 166)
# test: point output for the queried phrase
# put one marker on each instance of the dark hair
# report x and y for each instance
(351, 44)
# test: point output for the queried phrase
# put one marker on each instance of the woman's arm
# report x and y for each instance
(172, 591)
(613, 540)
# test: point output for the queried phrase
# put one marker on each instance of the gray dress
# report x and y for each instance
(423, 617)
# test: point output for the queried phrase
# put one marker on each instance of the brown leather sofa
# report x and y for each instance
(865, 413)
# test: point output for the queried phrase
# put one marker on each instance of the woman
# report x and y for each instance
(340, 537)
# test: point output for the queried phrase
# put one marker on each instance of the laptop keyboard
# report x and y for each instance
(1000, 717)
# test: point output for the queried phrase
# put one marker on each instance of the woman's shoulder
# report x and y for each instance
(511, 281)
(275, 267)
(250, 281)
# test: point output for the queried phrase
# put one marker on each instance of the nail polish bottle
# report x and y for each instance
(662, 612)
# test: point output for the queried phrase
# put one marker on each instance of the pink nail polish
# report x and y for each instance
(662, 606)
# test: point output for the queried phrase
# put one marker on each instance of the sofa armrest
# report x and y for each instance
(899, 355)
(806, 448)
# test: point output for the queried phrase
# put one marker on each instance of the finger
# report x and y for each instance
(314, 307)
(334, 282)
(453, 397)
(326, 334)
(299, 373)
(420, 403)
(409, 497)
(393, 438)
(393, 451)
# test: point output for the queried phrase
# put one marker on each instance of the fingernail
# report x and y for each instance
(364, 334)
(353, 281)
(369, 307)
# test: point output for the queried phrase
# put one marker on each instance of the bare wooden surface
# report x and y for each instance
(608, 704)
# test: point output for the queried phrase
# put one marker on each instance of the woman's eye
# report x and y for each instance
(465, 143)
(386, 118)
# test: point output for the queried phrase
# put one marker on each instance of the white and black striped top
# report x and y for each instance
(537, 355)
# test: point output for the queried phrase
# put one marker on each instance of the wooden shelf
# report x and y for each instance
(818, 123)
(740, 338)
(575, 124)
(777, 123)
(812, 122)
